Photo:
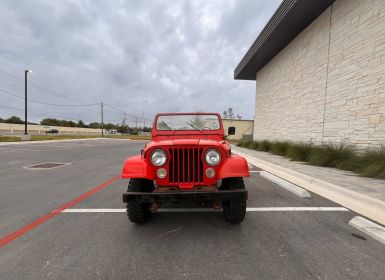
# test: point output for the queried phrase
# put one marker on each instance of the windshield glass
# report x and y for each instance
(188, 122)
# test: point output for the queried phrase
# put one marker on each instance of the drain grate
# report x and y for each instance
(47, 165)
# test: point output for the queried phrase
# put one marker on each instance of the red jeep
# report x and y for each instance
(188, 160)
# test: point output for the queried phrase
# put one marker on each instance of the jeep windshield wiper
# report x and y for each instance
(167, 125)
(193, 126)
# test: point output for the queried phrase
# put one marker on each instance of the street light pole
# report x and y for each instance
(102, 123)
(25, 101)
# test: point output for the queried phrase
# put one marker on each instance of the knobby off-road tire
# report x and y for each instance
(138, 212)
(235, 209)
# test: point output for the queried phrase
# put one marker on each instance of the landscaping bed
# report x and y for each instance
(369, 163)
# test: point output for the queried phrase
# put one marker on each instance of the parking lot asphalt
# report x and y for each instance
(280, 244)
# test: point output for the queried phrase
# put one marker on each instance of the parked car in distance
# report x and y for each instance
(52, 131)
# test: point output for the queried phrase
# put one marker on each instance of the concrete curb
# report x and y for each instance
(360, 203)
(368, 227)
(285, 184)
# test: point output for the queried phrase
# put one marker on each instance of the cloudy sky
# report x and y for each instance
(140, 57)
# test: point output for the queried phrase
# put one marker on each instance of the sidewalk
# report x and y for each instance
(365, 196)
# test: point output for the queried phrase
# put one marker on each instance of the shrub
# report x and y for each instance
(373, 163)
(279, 148)
(351, 164)
(244, 144)
(369, 164)
(299, 151)
(264, 146)
(331, 155)
(254, 145)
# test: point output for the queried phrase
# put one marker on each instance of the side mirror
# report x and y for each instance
(231, 130)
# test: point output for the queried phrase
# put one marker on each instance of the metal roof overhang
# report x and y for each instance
(288, 21)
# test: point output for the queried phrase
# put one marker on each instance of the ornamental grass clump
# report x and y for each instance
(331, 155)
(264, 146)
(373, 163)
(370, 163)
(254, 145)
(244, 144)
(299, 151)
(279, 148)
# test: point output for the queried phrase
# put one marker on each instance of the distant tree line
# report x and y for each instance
(12, 119)
(121, 128)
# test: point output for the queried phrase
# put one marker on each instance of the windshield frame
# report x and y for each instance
(204, 131)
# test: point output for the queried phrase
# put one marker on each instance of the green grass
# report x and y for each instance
(60, 137)
(244, 144)
(264, 146)
(254, 145)
(9, 138)
(370, 163)
(331, 155)
(65, 137)
(279, 148)
(299, 151)
(373, 163)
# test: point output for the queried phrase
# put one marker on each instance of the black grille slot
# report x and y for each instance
(186, 165)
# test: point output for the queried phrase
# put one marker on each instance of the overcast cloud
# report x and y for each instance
(138, 56)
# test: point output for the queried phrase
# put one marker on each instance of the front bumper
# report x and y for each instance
(185, 196)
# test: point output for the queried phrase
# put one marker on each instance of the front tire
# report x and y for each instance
(139, 212)
(234, 210)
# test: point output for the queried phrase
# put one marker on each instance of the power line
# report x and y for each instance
(116, 109)
(40, 88)
(45, 103)
(49, 113)
(73, 105)
(19, 109)
(50, 92)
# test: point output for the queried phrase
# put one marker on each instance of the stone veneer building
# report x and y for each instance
(319, 67)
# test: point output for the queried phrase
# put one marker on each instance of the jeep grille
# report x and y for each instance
(186, 165)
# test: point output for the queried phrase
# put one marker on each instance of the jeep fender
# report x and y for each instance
(234, 166)
(137, 167)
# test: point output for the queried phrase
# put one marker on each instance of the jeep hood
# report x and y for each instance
(187, 142)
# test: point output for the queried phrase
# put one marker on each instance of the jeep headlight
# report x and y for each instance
(158, 157)
(213, 157)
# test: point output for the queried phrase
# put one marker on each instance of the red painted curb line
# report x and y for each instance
(13, 235)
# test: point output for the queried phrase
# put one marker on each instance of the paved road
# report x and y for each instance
(268, 245)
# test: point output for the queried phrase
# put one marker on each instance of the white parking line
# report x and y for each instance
(99, 210)
(250, 209)
(368, 227)
(255, 171)
(285, 184)
(31, 167)
(289, 209)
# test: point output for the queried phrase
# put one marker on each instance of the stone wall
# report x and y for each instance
(328, 84)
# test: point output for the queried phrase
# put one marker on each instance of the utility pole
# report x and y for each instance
(101, 113)
(124, 119)
(124, 122)
(25, 101)
(144, 120)
(136, 122)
